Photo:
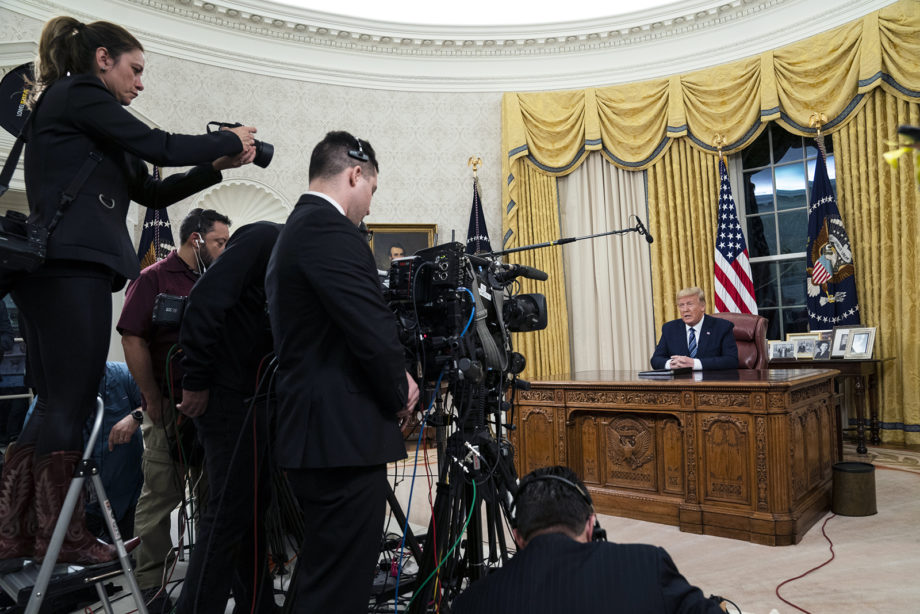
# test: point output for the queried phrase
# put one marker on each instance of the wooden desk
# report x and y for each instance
(740, 454)
(865, 374)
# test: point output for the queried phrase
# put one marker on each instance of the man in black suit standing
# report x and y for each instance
(558, 568)
(343, 391)
(695, 340)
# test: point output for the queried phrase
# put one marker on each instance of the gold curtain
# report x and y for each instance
(546, 351)
(683, 198)
(881, 209)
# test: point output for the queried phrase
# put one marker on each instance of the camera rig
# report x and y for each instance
(455, 314)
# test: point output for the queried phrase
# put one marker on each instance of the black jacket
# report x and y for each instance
(225, 331)
(554, 573)
(77, 115)
(341, 370)
(716, 347)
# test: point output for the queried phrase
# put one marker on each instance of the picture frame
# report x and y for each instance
(781, 350)
(804, 344)
(410, 237)
(839, 343)
(860, 343)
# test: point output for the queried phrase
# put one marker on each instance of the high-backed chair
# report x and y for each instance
(751, 337)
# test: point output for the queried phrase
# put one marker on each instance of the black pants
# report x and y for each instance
(230, 554)
(66, 319)
(343, 510)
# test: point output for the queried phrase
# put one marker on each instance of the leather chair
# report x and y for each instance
(751, 337)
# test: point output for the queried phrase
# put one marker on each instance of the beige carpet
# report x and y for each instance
(876, 567)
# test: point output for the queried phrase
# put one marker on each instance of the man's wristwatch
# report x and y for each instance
(138, 415)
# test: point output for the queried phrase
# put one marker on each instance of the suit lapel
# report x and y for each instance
(705, 335)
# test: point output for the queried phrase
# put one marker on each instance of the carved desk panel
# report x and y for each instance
(741, 454)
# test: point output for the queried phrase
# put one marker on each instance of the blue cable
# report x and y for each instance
(472, 311)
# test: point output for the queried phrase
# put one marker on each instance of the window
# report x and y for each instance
(777, 171)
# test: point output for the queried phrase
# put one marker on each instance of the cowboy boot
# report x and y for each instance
(17, 512)
(52, 474)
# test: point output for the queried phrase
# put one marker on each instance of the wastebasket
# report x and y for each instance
(854, 489)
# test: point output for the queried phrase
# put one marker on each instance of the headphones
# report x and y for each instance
(598, 535)
(358, 154)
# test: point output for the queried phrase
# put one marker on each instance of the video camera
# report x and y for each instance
(456, 312)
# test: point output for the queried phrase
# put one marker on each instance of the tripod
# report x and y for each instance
(476, 483)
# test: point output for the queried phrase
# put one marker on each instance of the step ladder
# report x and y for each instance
(51, 578)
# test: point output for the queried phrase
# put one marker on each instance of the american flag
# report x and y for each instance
(734, 288)
(156, 238)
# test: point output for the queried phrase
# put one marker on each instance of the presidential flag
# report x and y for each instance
(477, 236)
(156, 238)
(830, 274)
(734, 286)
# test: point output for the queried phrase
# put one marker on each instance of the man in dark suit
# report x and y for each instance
(695, 340)
(558, 568)
(343, 391)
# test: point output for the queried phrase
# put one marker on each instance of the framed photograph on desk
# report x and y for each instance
(781, 349)
(804, 344)
(860, 342)
(839, 345)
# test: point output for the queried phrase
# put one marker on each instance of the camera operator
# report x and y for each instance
(559, 569)
(147, 344)
(82, 142)
(343, 391)
(225, 336)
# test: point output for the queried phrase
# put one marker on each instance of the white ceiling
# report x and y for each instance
(477, 12)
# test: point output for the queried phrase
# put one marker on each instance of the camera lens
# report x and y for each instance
(264, 153)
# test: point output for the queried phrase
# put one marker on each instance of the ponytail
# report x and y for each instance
(69, 46)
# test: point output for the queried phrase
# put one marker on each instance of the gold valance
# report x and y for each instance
(633, 124)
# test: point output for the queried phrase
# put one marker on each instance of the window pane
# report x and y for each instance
(758, 190)
(831, 173)
(793, 231)
(765, 284)
(773, 328)
(790, 186)
(795, 320)
(761, 235)
(786, 147)
(811, 147)
(792, 278)
(757, 154)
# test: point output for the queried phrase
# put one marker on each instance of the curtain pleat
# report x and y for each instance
(683, 197)
(879, 206)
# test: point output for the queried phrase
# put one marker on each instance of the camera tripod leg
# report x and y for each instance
(400, 516)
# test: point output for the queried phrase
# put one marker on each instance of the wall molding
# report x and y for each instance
(287, 42)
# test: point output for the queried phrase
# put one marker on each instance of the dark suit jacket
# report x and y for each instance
(341, 369)
(225, 331)
(716, 347)
(554, 573)
(77, 115)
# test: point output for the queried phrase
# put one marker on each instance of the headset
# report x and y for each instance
(358, 154)
(599, 534)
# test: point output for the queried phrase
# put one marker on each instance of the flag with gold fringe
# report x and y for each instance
(156, 238)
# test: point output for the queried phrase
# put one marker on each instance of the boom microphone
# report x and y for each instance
(642, 230)
(520, 270)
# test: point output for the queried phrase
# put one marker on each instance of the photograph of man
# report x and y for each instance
(343, 391)
(695, 339)
(396, 251)
(558, 568)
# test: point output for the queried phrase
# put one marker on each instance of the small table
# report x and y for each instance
(865, 374)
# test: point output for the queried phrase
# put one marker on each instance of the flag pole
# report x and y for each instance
(816, 121)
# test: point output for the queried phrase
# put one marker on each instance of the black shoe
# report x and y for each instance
(158, 602)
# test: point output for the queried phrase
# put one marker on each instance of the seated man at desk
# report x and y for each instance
(695, 340)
